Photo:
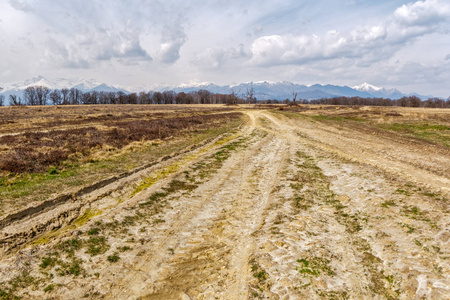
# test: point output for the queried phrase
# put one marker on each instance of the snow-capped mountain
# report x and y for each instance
(58, 83)
(17, 88)
(263, 90)
(366, 87)
(379, 91)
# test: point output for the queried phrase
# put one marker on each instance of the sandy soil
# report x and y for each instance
(288, 208)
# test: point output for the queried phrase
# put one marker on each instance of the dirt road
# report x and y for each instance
(286, 209)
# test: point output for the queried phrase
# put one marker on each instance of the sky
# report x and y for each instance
(400, 44)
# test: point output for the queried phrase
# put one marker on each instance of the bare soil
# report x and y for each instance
(301, 203)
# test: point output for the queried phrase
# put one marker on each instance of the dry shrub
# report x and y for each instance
(36, 151)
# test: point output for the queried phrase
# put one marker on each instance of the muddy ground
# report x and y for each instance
(287, 207)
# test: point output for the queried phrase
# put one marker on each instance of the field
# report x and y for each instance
(218, 202)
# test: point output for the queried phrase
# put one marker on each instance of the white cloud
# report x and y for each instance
(173, 38)
(21, 5)
(365, 44)
(217, 57)
(90, 47)
(290, 49)
(423, 13)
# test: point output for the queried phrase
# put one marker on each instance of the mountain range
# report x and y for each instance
(263, 90)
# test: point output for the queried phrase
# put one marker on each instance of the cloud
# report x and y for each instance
(216, 57)
(90, 47)
(173, 38)
(423, 13)
(364, 45)
(290, 49)
(21, 5)
(84, 34)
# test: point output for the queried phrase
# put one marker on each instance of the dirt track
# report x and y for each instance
(289, 209)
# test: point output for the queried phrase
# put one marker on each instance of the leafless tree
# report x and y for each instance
(250, 95)
(132, 98)
(294, 95)
(157, 98)
(55, 97)
(30, 96)
(75, 96)
(42, 94)
(2, 99)
(168, 97)
(65, 96)
(13, 100)
(204, 96)
(232, 97)
(144, 98)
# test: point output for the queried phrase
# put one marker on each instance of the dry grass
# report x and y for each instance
(35, 151)
(55, 161)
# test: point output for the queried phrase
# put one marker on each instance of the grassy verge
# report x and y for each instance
(430, 130)
(16, 190)
(435, 133)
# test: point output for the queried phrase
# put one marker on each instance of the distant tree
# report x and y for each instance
(294, 95)
(94, 99)
(181, 98)
(55, 97)
(250, 95)
(157, 98)
(414, 101)
(122, 97)
(65, 96)
(434, 103)
(403, 101)
(30, 96)
(86, 98)
(2, 98)
(232, 97)
(204, 97)
(112, 98)
(13, 101)
(168, 97)
(132, 98)
(75, 96)
(144, 98)
(42, 93)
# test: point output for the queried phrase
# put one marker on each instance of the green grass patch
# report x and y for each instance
(94, 231)
(314, 266)
(410, 228)
(113, 258)
(48, 288)
(96, 245)
(436, 133)
(71, 267)
(388, 203)
(70, 246)
(48, 261)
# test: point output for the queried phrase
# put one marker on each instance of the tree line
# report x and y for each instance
(41, 95)
(406, 101)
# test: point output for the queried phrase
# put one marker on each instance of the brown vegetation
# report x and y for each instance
(35, 151)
